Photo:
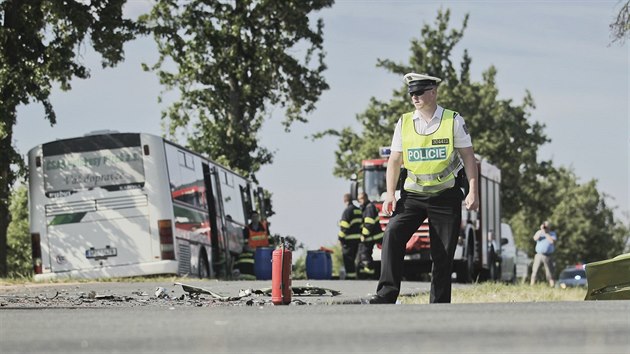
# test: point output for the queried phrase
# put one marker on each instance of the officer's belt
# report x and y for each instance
(453, 165)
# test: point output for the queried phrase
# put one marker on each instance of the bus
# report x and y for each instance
(112, 204)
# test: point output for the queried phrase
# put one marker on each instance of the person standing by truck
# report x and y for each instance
(545, 246)
(350, 236)
(256, 235)
(429, 142)
(371, 234)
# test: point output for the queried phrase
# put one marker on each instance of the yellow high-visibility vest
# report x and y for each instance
(430, 159)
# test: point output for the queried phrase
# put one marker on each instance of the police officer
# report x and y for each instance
(350, 236)
(431, 142)
(371, 233)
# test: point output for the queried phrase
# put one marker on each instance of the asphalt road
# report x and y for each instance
(166, 325)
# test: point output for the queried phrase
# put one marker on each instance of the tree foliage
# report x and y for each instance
(620, 28)
(232, 62)
(586, 227)
(19, 259)
(40, 41)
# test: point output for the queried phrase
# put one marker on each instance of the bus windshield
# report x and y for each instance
(111, 162)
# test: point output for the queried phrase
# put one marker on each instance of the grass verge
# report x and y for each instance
(498, 292)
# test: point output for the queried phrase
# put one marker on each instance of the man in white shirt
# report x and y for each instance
(431, 142)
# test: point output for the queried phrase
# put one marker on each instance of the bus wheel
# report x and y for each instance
(204, 271)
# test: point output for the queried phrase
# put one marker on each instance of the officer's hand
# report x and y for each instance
(389, 204)
(472, 201)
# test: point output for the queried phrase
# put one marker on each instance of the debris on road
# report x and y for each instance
(160, 292)
(192, 296)
(199, 290)
(310, 290)
(307, 290)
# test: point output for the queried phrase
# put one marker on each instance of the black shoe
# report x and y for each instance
(377, 299)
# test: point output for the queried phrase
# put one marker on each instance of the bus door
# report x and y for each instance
(264, 204)
(219, 254)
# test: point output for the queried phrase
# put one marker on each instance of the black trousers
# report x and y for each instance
(365, 267)
(349, 251)
(444, 213)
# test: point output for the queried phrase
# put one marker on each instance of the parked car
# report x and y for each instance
(514, 262)
(572, 277)
(523, 263)
(508, 255)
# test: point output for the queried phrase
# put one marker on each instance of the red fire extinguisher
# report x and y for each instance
(281, 276)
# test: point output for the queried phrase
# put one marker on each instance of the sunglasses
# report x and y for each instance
(420, 92)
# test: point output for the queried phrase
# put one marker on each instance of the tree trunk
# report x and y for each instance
(8, 107)
(7, 178)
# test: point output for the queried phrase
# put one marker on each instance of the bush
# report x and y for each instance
(19, 262)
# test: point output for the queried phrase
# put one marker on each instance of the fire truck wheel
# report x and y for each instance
(465, 270)
(493, 267)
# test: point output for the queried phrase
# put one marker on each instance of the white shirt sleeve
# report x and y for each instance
(397, 138)
(461, 138)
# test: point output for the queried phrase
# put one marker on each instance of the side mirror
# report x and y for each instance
(354, 190)
(504, 241)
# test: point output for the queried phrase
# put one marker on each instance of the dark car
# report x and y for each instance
(572, 277)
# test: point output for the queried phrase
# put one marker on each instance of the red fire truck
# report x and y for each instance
(478, 253)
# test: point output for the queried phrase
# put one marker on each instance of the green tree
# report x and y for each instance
(40, 41)
(18, 237)
(621, 26)
(586, 226)
(232, 63)
(494, 123)
(337, 258)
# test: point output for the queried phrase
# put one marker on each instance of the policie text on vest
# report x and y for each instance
(427, 154)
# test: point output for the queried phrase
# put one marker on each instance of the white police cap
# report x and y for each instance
(418, 82)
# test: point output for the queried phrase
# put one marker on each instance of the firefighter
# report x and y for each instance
(258, 232)
(256, 235)
(371, 234)
(431, 142)
(350, 236)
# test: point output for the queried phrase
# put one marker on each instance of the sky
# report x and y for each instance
(558, 50)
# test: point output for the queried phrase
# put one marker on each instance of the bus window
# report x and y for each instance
(111, 163)
(233, 200)
(187, 183)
